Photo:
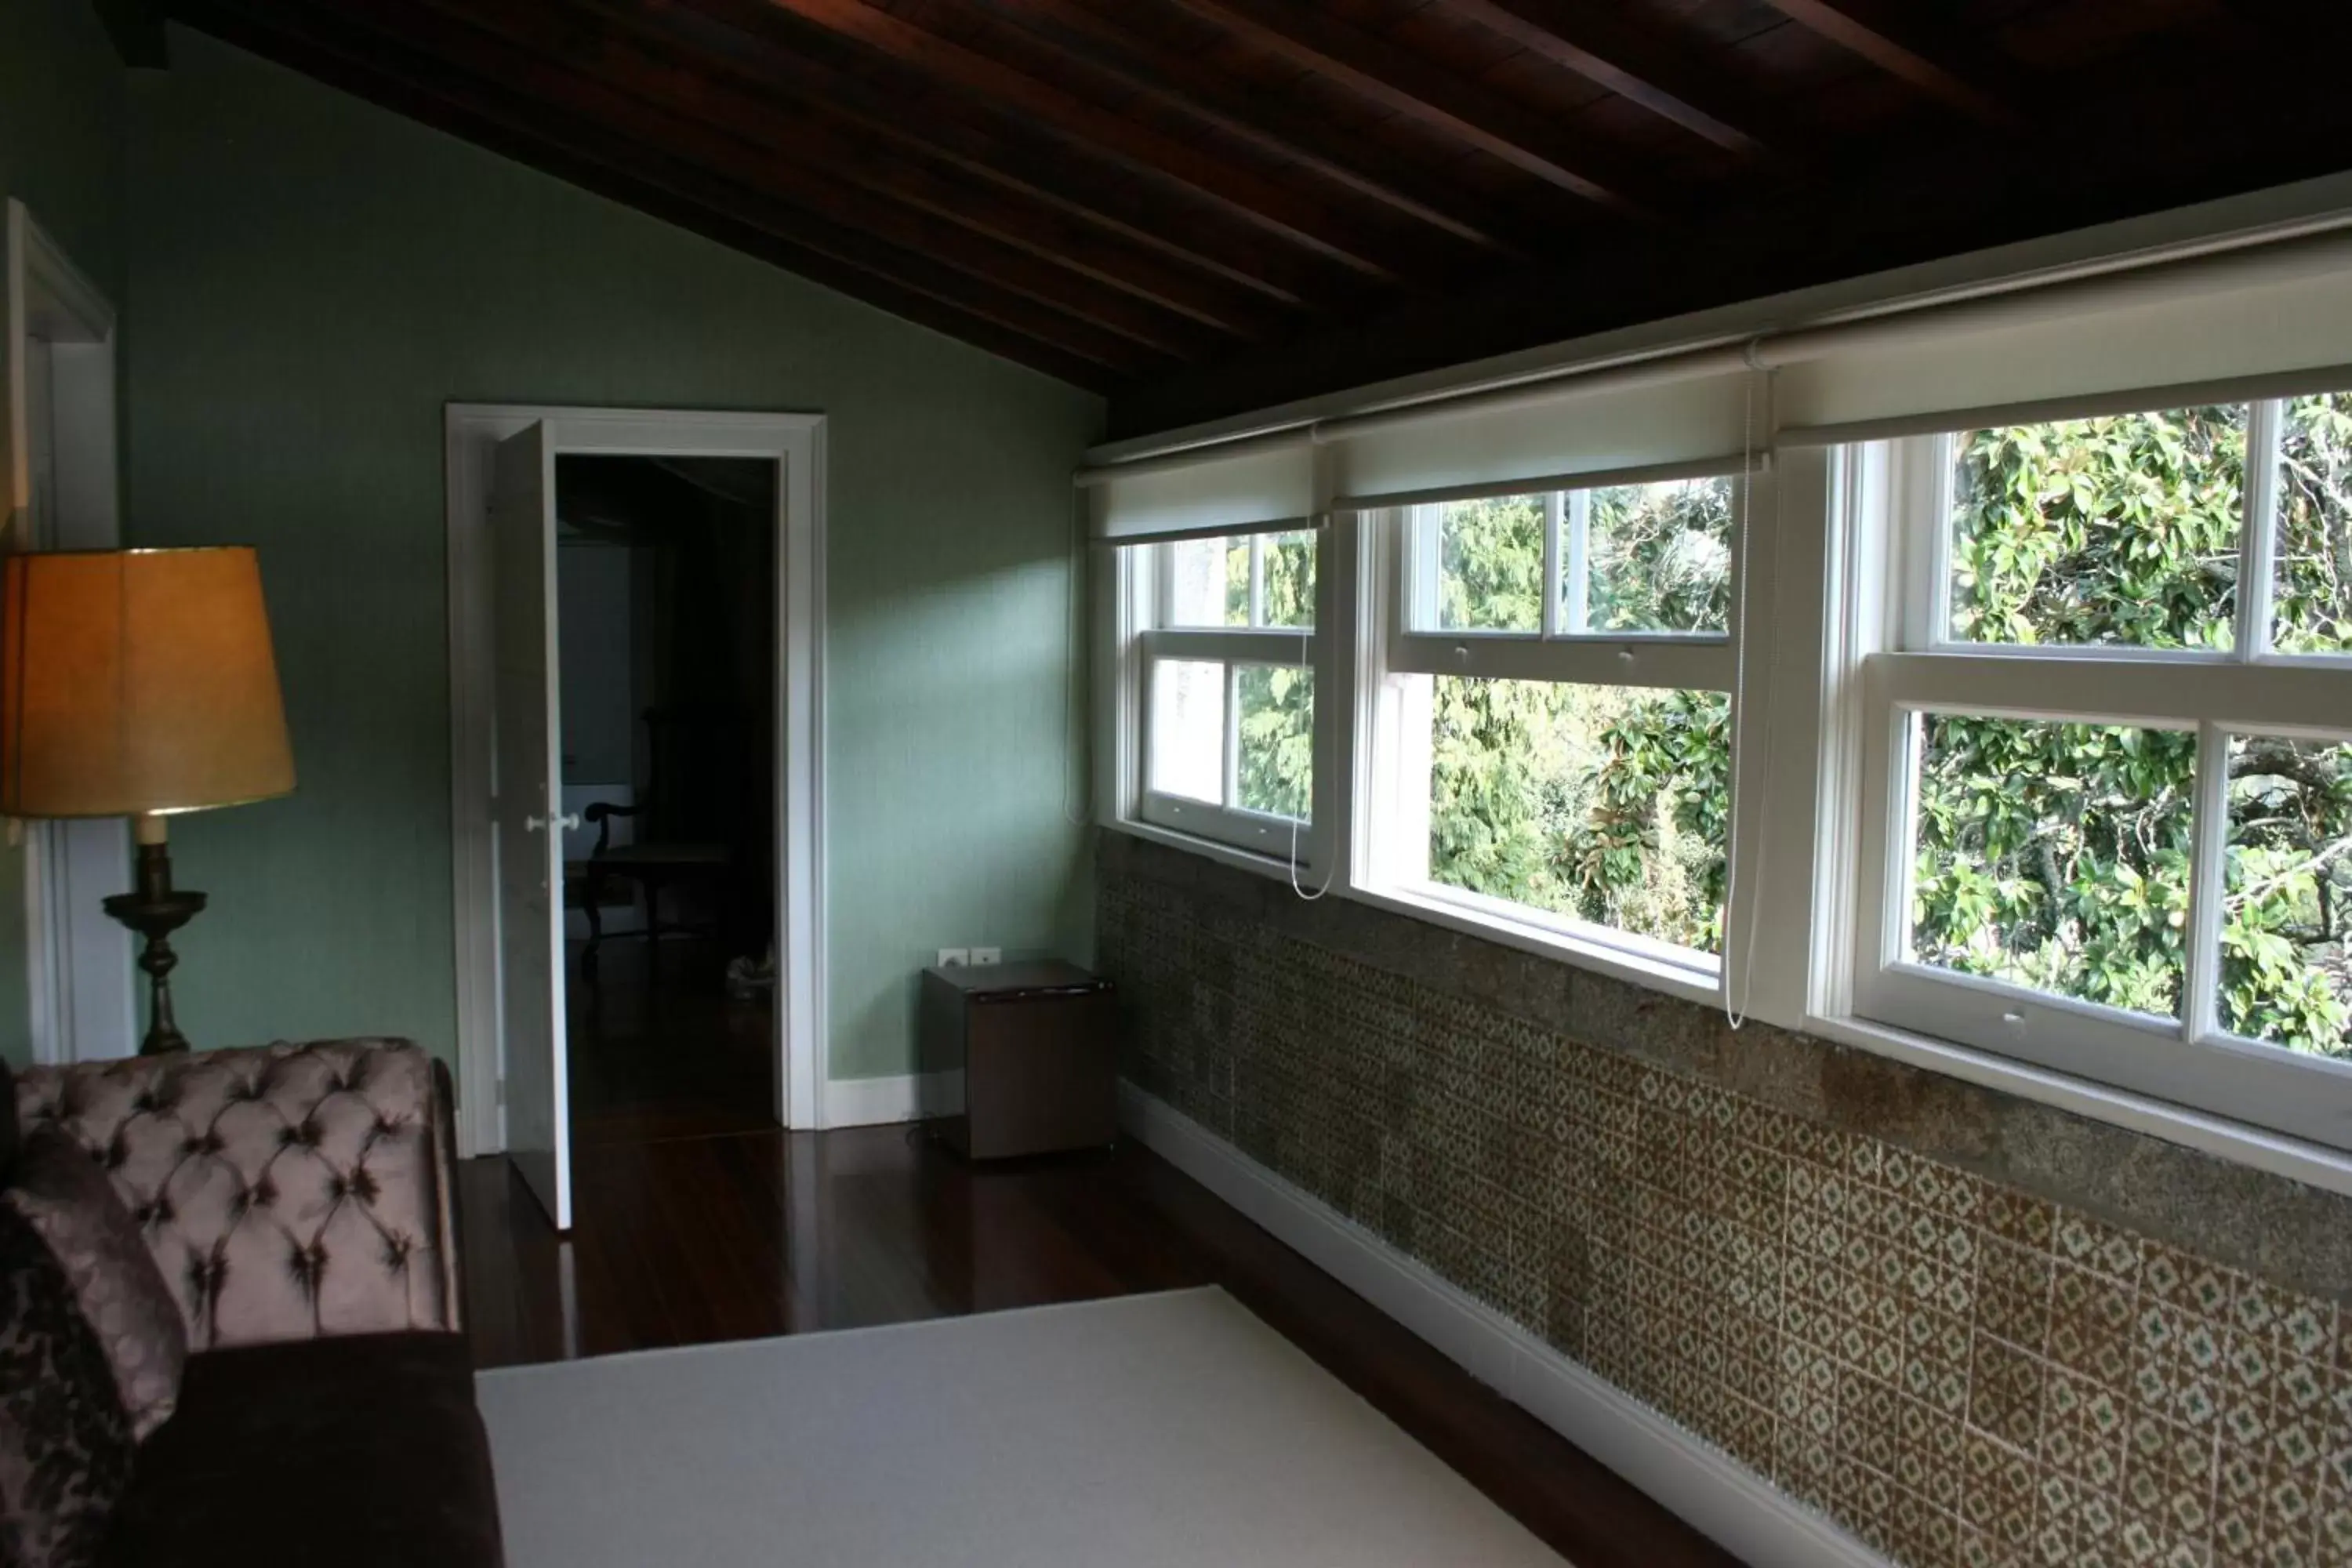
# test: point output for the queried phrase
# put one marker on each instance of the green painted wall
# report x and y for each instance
(61, 153)
(61, 128)
(311, 279)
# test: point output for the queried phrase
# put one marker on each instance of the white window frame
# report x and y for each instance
(1146, 616)
(1909, 665)
(1390, 863)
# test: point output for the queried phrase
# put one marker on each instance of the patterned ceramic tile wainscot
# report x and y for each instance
(1957, 1372)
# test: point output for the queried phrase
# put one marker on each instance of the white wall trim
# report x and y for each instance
(61, 349)
(896, 1097)
(472, 432)
(873, 1101)
(1732, 1505)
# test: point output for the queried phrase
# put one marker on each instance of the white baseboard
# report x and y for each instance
(1738, 1509)
(872, 1101)
(876, 1101)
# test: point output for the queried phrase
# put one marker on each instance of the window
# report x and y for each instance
(2044, 711)
(1228, 650)
(1553, 734)
(2108, 794)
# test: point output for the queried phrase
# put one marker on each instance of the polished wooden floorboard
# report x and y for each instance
(687, 1240)
(659, 1049)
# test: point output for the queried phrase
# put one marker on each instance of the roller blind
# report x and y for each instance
(2264, 319)
(1694, 413)
(2221, 329)
(1265, 486)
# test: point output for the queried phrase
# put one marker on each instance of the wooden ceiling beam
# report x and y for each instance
(1471, 112)
(1941, 60)
(1272, 121)
(1663, 75)
(585, 153)
(1285, 211)
(979, 141)
(1014, 216)
(541, 47)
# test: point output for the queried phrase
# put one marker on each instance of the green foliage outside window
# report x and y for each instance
(1277, 755)
(2313, 610)
(2057, 854)
(1606, 803)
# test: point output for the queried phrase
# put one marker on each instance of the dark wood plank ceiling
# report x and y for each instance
(1199, 207)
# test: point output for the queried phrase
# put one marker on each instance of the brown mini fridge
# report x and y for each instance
(1018, 1058)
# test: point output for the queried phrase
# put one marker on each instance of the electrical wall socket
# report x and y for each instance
(951, 957)
(987, 955)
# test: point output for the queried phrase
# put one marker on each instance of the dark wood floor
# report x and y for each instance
(685, 1240)
(666, 1053)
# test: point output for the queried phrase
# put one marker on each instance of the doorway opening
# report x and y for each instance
(668, 662)
(516, 821)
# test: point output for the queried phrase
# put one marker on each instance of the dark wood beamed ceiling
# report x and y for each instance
(1198, 207)
(1278, 126)
(1455, 105)
(1909, 41)
(1643, 66)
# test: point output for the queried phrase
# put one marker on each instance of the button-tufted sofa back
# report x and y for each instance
(288, 1192)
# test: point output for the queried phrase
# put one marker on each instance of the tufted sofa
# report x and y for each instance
(299, 1201)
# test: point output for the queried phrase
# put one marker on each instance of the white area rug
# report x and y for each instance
(1172, 1431)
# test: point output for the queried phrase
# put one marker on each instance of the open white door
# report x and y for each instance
(524, 819)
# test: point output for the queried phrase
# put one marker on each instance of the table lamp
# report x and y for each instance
(138, 683)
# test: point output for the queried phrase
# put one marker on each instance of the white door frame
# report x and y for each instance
(796, 441)
(60, 355)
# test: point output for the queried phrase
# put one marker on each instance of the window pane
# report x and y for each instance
(1657, 558)
(2286, 917)
(1210, 581)
(2115, 532)
(2055, 855)
(1289, 581)
(1187, 751)
(1605, 803)
(1277, 740)
(2314, 593)
(1490, 564)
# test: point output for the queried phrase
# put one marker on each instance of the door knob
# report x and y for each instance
(535, 823)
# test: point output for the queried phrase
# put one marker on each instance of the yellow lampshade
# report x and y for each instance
(137, 680)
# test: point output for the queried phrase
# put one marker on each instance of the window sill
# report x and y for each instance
(1634, 968)
(2311, 1164)
(1306, 873)
(1690, 984)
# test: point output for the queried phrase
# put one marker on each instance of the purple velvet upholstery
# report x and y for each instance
(286, 1192)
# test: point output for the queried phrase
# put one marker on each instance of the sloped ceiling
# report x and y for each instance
(1202, 205)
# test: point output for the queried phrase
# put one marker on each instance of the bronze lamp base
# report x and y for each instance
(155, 911)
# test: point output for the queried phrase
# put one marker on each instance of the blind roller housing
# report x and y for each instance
(1269, 486)
(1689, 419)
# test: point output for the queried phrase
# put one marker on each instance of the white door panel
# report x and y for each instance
(525, 819)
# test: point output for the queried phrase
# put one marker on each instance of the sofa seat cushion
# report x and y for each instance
(361, 1450)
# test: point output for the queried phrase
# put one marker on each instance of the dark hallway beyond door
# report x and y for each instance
(677, 1056)
(666, 576)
